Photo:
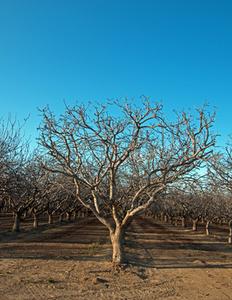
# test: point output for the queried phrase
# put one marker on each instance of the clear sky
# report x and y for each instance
(177, 51)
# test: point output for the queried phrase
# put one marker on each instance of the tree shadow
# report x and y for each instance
(148, 244)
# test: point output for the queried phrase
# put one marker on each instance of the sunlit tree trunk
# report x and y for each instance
(16, 225)
(207, 227)
(117, 240)
(162, 217)
(50, 219)
(61, 217)
(195, 223)
(165, 218)
(183, 222)
(35, 222)
(68, 216)
(230, 233)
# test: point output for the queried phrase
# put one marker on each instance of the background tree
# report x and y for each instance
(220, 174)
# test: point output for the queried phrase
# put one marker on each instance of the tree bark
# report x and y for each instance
(16, 225)
(207, 227)
(230, 233)
(117, 240)
(68, 216)
(61, 217)
(183, 222)
(35, 223)
(162, 217)
(50, 219)
(195, 221)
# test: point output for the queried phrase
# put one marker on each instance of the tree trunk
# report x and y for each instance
(195, 221)
(162, 217)
(230, 233)
(207, 227)
(183, 223)
(176, 222)
(35, 223)
(61, 217)
(50, 219)
(117, 240)
(16, 225)
(165, 218)
(68, 216)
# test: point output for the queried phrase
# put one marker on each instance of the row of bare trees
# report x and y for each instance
(189, 205)
(117, 161)
(26, 189)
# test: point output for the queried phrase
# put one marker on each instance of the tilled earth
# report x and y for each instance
(72, 261)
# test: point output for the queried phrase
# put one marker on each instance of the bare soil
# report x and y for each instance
(72, 261)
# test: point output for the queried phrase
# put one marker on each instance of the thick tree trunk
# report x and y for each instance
(50, 219)
(35, 223)
(230, 233)
(195, 221)
(117, 240)
(16, 225)
(183, 222)
(176, 222)
(207, 227)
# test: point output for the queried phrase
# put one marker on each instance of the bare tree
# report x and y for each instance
(21, 196)
(12, 150)
(123, 161)
(13, 156)
(220, 174)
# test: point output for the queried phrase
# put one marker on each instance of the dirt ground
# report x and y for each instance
(72, 261)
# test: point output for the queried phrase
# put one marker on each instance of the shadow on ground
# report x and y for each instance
(148, 244)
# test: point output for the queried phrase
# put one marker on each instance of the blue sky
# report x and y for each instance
(176, 51)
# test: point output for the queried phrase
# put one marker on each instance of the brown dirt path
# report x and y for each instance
(72, 262)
